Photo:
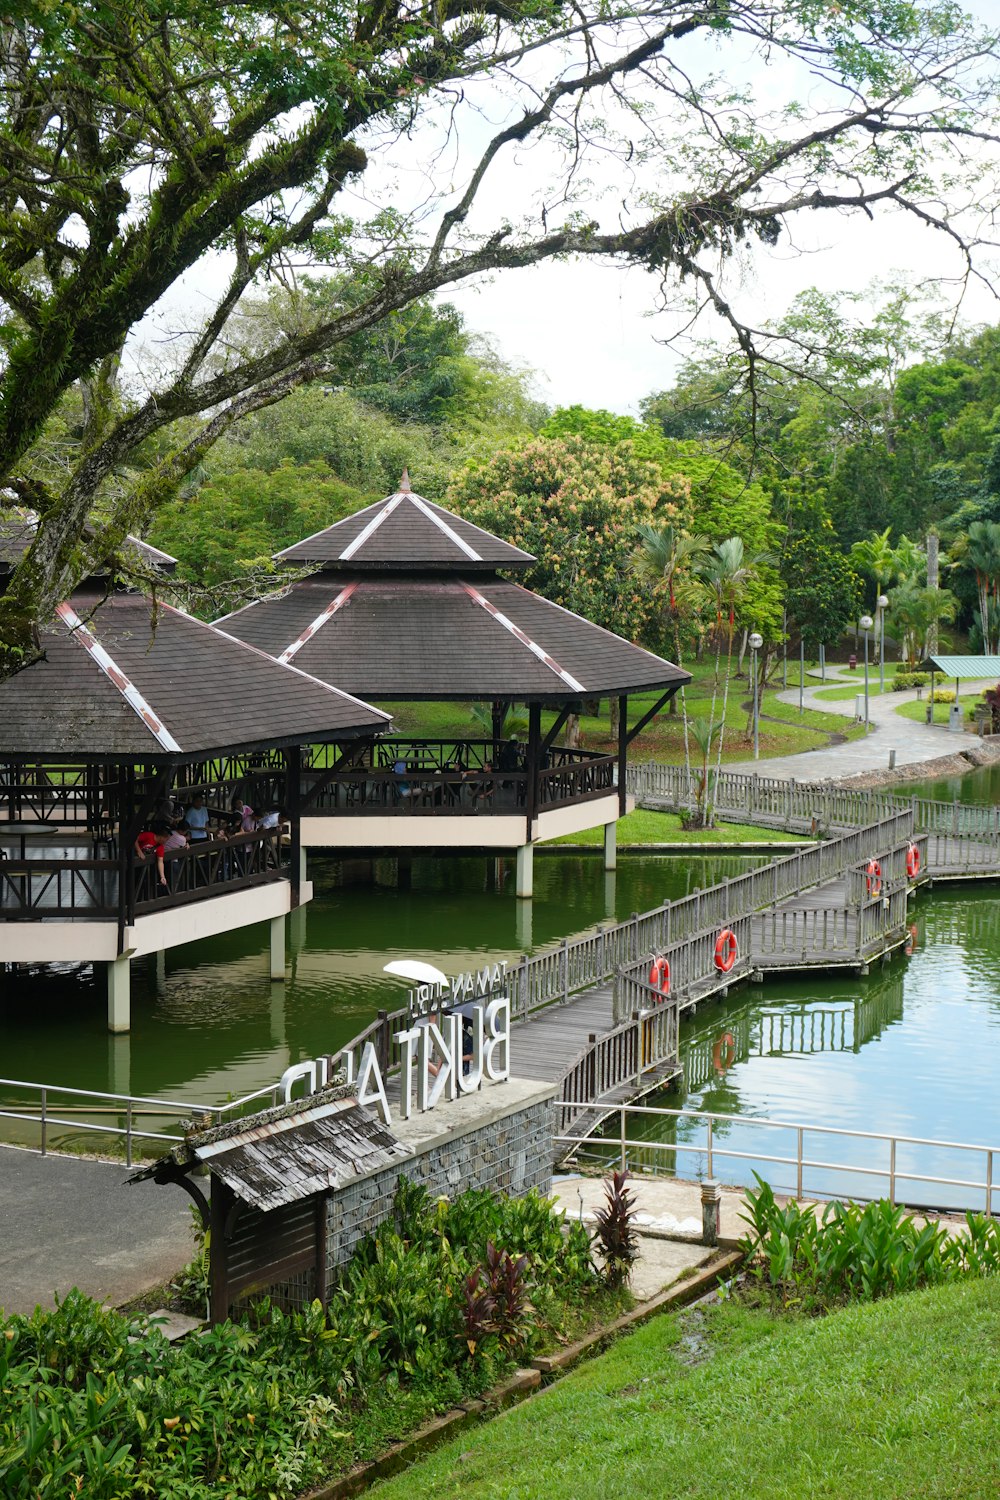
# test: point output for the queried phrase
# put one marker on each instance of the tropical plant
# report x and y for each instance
(615, 1238)
(981, 554)
(917, 611)
(668, 560)
(727, 572)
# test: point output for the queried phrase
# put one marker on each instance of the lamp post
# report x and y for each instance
(756, 641)
(866, 624)
(882, 605)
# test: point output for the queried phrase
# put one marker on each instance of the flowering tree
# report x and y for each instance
(577, 507)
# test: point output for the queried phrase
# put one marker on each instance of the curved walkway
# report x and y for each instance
(911, 740)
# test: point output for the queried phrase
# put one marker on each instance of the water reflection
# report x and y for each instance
(909, 1049)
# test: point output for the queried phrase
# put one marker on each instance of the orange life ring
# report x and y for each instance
(913, 862)
(659, 975)
(726, 950)
(724, 1052)
(873, 878)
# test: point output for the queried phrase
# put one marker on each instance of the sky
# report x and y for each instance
(590, 332)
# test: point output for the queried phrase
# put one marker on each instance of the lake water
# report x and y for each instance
(908, 1049)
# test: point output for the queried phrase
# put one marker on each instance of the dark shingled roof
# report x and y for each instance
(17, 535)
(287, 1153)
(411, 638)
(406, 531)
(180, 688)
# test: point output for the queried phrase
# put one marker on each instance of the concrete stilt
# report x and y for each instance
(160, 971)
(303, 866)
(611, 846)
(523, 915)
(277, 1008)
(277, 947)
(297, 928)
(525, 872)
(120, 1063)
(610, 895)
(119, 994)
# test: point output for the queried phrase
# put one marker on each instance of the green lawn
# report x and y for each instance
(885, 1401)
(853, 690)
(918, 711)
(664, 738)
(645, 827)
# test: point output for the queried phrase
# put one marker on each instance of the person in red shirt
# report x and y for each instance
(149, 843)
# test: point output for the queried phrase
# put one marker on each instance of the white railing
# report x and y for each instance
(899, 1160)
(95, 1112)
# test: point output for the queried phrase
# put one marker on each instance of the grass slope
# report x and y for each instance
(886, 1401)
(647, 827)
(783, 730)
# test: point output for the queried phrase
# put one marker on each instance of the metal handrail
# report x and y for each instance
(712, 1151)
(41, 1116)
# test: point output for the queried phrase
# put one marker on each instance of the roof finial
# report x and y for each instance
(404, 483)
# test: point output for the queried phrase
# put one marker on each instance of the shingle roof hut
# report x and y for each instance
(407, 602)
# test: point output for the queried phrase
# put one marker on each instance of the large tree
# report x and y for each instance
(136, 136)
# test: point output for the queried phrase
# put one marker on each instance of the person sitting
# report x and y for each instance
(247, 817)
(149, 843)
(176, 838)
(401, 787)
(196, 817)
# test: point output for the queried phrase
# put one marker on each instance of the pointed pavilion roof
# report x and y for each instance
(406, 531)
(407, 604)
(122, 679)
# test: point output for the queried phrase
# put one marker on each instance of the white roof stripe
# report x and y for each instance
(320, 620)
(372, 526)
(115, 675)
(525, 640)
(442, 525)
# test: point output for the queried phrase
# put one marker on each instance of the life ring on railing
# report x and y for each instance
(659, 975)
(913, 862)
(873, 878)
(724, 1053)
(727, 950)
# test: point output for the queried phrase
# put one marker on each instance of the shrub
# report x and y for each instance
(849, 1252)
(904, 680)
(615, 1238)
(444, 1298)
(943, 695)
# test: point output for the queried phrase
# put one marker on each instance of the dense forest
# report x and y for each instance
(831, 471)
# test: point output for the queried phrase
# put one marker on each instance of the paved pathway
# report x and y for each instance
(911, 740)
(68, 1222)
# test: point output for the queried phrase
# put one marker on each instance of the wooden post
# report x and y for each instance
(622, 753)
(532, 768)
(293, 795)
(218, 1270)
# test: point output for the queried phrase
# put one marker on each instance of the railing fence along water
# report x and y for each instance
(47, 1107)
(890, 1159)
(774, 799)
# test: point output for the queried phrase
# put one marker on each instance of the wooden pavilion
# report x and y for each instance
(132, 703)
(409, 602)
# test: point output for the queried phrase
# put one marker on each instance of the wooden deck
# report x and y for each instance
(589, 1021)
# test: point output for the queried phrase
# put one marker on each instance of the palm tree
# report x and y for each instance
(668, 560)
(917, 611)
(875, 555)
(727, 573)
(982, 555)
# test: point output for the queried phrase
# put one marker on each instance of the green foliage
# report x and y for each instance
(98, 1406)
(848, 1252)
(577, 507)
(614, 1233)
(904, 680)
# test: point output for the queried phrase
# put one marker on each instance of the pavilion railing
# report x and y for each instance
(448, 776)
(88, 889)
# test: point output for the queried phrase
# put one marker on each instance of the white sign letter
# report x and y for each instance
(496, 1048)
(371, 1089)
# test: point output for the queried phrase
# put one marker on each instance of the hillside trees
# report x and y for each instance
(135, 138)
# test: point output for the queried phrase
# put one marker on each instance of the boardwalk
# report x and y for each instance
(590, 1021)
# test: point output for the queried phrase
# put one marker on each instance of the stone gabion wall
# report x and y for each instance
(511, 1155)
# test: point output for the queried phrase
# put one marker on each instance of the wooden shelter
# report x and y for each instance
(271, 1177)
(410, 602)
(130, 703)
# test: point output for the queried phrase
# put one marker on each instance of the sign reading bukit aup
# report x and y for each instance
(458, 1038)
